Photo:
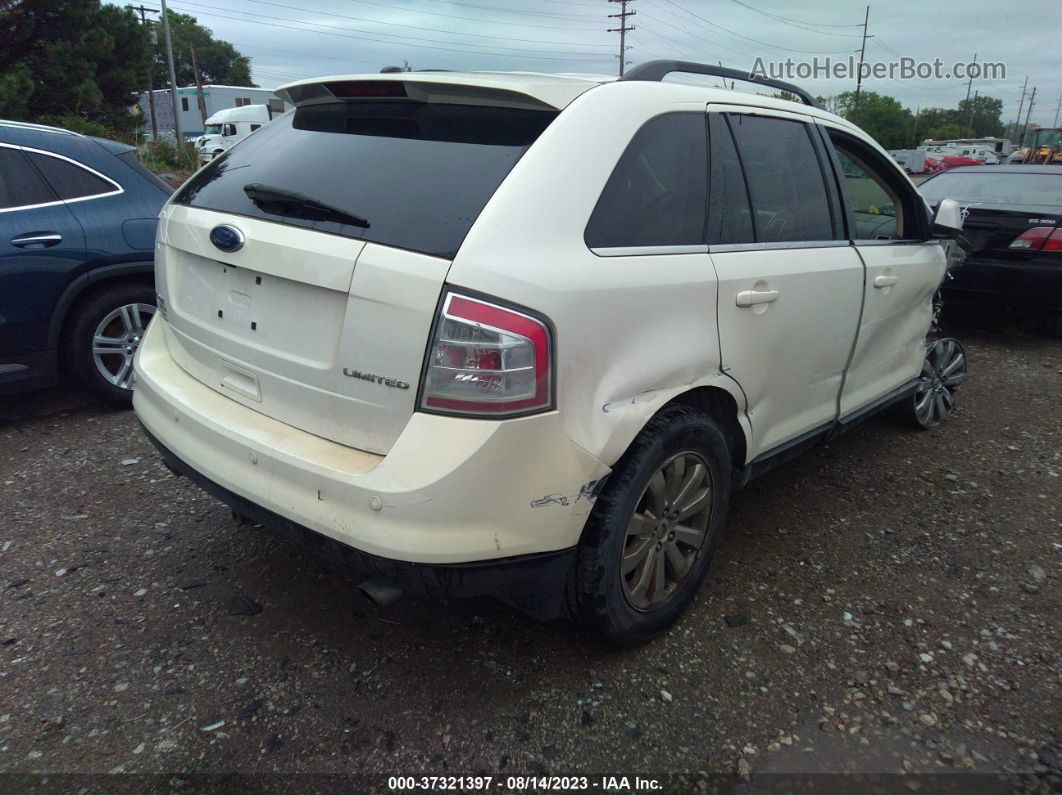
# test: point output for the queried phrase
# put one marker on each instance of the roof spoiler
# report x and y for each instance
(656, 71)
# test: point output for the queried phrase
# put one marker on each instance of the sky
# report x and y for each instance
(289, 40)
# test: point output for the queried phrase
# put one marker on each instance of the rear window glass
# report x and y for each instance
(973, 184)
(405, 174)
(70, 181)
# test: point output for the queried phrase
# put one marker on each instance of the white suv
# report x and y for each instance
(523, 335)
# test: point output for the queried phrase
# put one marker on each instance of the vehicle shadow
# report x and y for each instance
(46, 402)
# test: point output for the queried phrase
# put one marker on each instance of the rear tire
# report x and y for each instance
(104, 335)
(643, 553)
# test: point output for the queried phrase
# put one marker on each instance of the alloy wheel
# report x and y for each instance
(943, 371)
(667, 531)
(115, 342)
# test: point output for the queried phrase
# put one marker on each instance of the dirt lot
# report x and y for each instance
(889, 603)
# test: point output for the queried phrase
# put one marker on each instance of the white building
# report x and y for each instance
(214, 97)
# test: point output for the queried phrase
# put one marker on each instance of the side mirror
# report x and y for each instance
(947, 220)
(947, 225)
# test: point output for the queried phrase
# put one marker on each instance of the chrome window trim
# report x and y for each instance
(785, 244)
(646, 251)
(118, 189)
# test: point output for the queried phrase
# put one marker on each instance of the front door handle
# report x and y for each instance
(42, 239)
(885, 281)
(754, 297)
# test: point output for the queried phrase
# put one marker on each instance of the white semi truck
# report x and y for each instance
(229, 126)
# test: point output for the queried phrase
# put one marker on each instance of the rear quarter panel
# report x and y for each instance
(631, 332)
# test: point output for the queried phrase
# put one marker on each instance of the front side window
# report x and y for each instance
(69, 180)
(20, 184)
(230, 129)
(785, 179)
(870, 204)
(658, 192)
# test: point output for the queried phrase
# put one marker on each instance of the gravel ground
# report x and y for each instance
(888, 603)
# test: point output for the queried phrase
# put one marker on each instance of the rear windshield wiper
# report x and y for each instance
(278, 201)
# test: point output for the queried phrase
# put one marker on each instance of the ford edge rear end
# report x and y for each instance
(311, 366)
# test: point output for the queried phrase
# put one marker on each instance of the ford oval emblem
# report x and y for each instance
(227, 238)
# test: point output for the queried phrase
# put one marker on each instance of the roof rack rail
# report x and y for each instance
(656, 71)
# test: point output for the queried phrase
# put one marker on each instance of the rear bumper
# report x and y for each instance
(532, 583)
(450, 490)
(1036, 283)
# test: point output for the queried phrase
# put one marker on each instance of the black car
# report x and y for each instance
(77, 239)
(1013, 222)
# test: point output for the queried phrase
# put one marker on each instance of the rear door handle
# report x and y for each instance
(753, 297)
(885, 281)
(42, 239)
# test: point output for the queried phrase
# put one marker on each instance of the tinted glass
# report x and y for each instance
(657, 194)
(729, 215)
(871, 211)
(976, 184)
(68, 180)
(130, 159)
(20, 184)
(418, 174)
(785, 180)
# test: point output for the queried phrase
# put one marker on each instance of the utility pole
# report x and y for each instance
(969, 116)
(144, 10)
(862, 54)
(1028, 113)
(1058, 107)
(200, 99)
(969, 85)
(173, 78)
(622, 30)
(918, 111)
(1021, 104)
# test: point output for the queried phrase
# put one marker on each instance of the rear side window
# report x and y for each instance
(70, 181)
(130, 159)
(406, 174)
(729, 214)
(658, 192)
(785, 180)
(20, 184)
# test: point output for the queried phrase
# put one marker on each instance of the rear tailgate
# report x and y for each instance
(345, 216)
(286, 327)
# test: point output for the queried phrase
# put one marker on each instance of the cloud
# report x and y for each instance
(292, 39)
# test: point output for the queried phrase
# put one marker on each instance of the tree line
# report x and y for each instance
(896, 127)
(80, 64)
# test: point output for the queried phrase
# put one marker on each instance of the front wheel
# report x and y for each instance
(654, 529)
(943, 372)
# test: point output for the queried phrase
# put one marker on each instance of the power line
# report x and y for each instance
(688, 32)
(571, 57)
(797, 24)
(415, 27)
(380, 33)
(749, 38)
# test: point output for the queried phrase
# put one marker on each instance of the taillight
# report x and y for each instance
(487, 359)
(1039, 238)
